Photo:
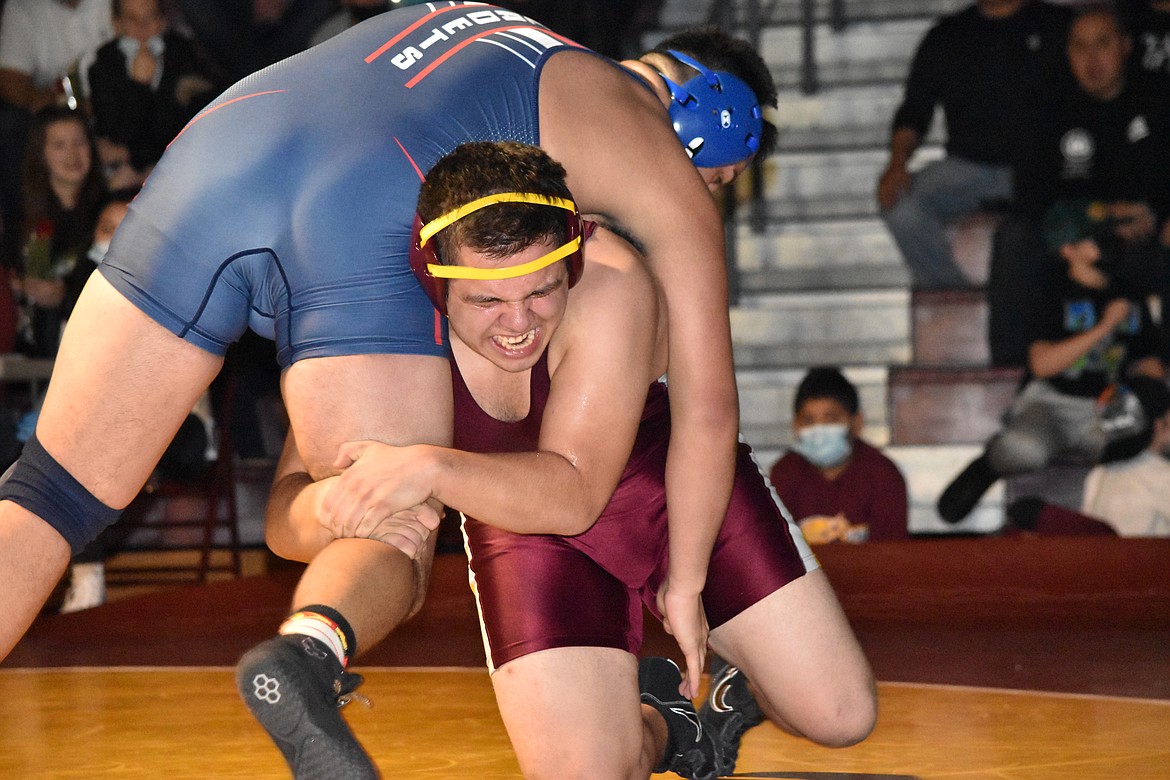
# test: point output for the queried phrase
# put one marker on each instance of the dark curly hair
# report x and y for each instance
(474, 170)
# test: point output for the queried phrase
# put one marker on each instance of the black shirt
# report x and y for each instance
(144, 119)
(1066, 309)
(1103, 150)
(990, 76)
(1151, 37)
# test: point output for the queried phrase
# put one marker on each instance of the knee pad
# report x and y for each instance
(41, 485)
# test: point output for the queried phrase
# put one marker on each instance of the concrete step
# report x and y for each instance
(766, 395)
(835, 184)
(846, 254)
(950, 328)
(841, 117)
(870, 51)
(840, 328)
(928, 470)
(838, 254)
(948, 405)
(867, 52)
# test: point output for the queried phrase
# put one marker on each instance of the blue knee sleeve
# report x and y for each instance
(41, 485)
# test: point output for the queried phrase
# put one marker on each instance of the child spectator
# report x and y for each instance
(837, 486)
(1089, 336)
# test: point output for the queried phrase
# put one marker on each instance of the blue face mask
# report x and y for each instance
(824, 446)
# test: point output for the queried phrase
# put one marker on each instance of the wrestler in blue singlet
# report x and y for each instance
(537, 592)
(286, 205)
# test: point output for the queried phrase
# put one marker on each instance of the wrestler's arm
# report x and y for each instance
(292, 527)
(603, 361)
(624, 160)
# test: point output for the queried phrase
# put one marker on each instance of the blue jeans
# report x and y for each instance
(942, 191)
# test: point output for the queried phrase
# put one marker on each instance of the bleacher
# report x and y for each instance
(822, 282)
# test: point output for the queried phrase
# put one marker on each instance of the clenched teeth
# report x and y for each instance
(516, 342)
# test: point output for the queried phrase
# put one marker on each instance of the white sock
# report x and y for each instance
(319, 627)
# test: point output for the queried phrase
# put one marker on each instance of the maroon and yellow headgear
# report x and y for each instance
(433, 274)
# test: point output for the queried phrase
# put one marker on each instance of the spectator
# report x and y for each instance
(243, 37)
(352, 12)
(1130, 489)
(837, 486)
(1133, 495)
(144, 86)
(985, 66)
(41, 42)
(1149, 20)
(1089, 337)
(63, 192)
(1099, 171)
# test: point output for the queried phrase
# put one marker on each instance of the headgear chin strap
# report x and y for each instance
(433, 274)
(716, 115)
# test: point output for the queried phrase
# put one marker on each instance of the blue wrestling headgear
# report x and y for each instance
(432, 274)
(716, 115)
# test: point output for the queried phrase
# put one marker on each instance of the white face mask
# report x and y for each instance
(97, 252)
(824, 446)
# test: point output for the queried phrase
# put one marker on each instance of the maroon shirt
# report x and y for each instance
(870, 491)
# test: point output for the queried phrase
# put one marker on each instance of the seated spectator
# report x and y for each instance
(351, 12)
(837, 486)
(1089, 336)
(41, 43)
(1133, 494)
(1129, 490)
(63, 191)
(1149, 21)
(1099, 172)
(144, 86)
(985, 66)
(243, 36)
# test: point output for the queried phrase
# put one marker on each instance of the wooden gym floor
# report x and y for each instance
(999, 659)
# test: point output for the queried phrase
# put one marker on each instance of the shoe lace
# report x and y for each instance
(344, 688)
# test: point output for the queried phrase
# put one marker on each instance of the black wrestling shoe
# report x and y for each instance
(295, 687)
(729, 711)
(690, 751)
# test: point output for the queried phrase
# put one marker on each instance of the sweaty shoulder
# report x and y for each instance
(615, 268)
(604, 125)
(615, 299)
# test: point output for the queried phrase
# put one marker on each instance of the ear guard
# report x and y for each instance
(716, 116)
(433, 275)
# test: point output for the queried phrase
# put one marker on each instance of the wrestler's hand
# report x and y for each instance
(377, 481)
(408, 530)
(684, 619)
